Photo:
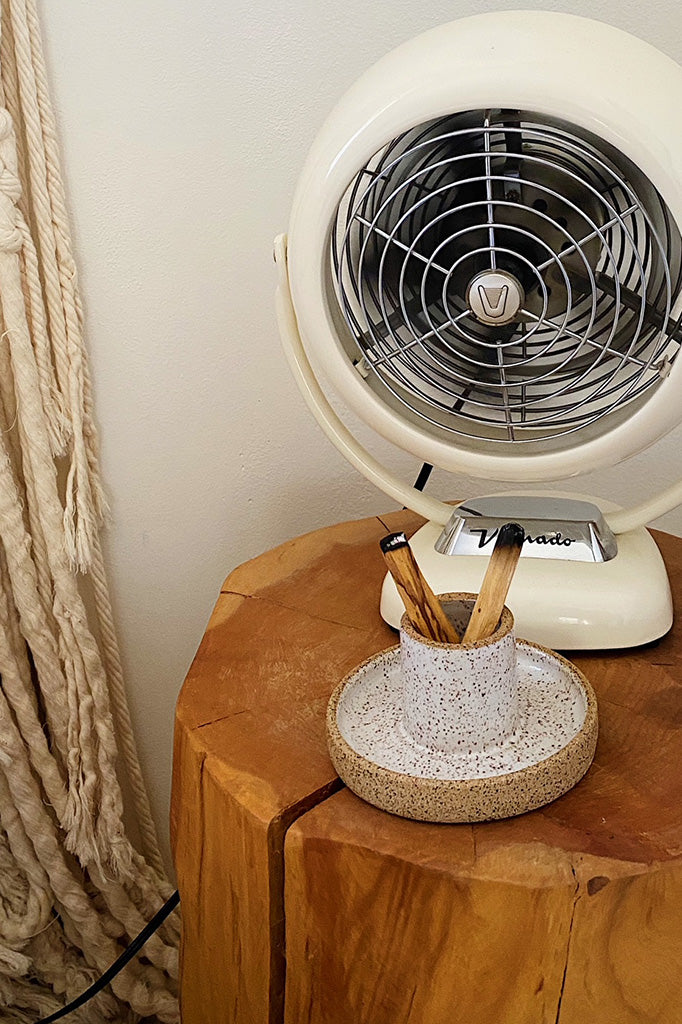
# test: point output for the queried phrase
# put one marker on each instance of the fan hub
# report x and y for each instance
(495, 297)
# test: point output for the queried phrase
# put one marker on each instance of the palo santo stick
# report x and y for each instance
(496, 583)
(423, 608)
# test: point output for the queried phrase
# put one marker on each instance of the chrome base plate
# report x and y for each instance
(564, 605)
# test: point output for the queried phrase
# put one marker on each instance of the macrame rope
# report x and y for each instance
(73, 889)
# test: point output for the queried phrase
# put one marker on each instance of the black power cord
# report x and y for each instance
(424, 474)
(118, 965)
(419, 485)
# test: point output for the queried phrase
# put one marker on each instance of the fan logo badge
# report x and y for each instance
(493, 300)
(495, 297)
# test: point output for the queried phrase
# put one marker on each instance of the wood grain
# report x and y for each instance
(424, 930)
(301, 903)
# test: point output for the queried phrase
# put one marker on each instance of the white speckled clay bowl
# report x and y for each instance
(549, 750)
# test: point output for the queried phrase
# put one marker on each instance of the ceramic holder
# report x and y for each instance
(462, 732)
(460, 697)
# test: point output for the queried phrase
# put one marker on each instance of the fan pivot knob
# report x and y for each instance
(495, 297)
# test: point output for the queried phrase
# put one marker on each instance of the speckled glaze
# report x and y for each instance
(547, 754)
(460, 697)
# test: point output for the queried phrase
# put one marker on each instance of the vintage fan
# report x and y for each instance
(484, 260)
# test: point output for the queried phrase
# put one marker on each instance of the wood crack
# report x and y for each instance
(419, 521)
(277, 831)
(200, 866)
(576, 898)
(299, 611)
(222, 718)
(411, 1003)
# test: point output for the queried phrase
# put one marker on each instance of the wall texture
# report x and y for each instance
(184, 124)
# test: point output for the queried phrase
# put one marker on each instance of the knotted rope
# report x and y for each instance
(73, 890)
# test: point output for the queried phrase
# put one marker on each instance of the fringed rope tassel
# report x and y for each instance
(73, 890)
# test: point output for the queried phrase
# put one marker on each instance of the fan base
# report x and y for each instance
(564, 605)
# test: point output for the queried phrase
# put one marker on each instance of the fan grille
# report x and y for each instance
(507, 278)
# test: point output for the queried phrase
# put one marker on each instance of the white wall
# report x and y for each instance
(184, 124)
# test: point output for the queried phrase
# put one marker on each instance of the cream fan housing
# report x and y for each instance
(582, 72)
(484, 259)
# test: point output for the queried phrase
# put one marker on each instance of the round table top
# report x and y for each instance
(291, 623)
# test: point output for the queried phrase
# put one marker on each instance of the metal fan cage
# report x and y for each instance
(507, 278)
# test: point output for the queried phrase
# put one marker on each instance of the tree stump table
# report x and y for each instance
(300, 903)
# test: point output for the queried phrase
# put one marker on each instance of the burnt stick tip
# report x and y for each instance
(392, 541)
(511, 535)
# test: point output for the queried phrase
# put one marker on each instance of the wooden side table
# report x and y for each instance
(301, 903)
